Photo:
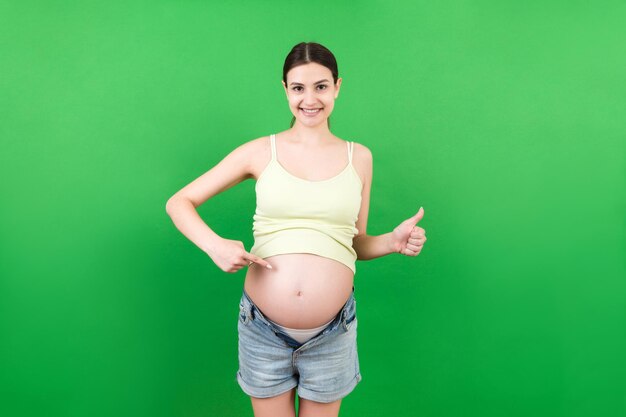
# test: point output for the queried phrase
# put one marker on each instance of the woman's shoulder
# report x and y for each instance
(362, 161)
(247, 153)
(361, 152)
(253, 146)
(259, 141)
(255, 153)
(358, 148)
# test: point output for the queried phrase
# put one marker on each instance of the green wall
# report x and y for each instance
(505, 120)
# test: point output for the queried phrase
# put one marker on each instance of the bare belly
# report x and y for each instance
(302, 290)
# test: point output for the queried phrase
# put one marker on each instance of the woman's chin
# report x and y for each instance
(311, 122)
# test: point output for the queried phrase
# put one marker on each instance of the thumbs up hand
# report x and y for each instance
(407, 238)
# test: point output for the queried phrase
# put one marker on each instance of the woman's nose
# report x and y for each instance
(309, 98)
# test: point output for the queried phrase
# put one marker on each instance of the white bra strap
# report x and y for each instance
(273, 143)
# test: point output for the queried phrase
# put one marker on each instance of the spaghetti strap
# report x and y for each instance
(350, 150)
(273, 143)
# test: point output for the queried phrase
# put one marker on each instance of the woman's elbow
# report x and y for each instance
(171, 203)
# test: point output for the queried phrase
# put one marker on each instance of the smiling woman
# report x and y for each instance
(297, 323)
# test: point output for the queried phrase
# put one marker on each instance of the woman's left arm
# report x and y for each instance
(406, 238)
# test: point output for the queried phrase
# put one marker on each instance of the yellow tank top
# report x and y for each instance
(294, 215)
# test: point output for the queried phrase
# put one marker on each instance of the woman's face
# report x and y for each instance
(310, 87)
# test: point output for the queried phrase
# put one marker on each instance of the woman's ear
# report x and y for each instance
(338, 86)
(285, 87)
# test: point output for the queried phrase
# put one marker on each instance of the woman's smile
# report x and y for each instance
(310, 112)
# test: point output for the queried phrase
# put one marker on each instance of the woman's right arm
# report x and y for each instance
(228, 255)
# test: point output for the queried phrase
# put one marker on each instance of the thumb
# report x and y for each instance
(418, 216)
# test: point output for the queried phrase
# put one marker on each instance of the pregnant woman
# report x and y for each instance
(297, 315)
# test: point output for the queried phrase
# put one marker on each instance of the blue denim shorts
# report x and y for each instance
(324, 368)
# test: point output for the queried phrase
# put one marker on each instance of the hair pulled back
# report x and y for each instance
(306, 52)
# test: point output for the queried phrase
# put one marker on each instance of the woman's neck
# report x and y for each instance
(312, 135)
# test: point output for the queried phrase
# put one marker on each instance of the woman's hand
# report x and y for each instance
(230, 256)
(407, 238)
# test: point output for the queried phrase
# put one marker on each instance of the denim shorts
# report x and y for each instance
(324, 368)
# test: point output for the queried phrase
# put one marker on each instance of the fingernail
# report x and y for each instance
(269, 266)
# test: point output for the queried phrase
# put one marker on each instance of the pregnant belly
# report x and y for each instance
(302, 290)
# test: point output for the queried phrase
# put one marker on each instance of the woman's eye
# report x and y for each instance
(321, 87)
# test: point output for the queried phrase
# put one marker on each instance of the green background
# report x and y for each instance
(504, 120)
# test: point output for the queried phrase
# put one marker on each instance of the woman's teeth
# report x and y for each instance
(310, 111)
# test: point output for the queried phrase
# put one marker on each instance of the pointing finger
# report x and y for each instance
(260, 261)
